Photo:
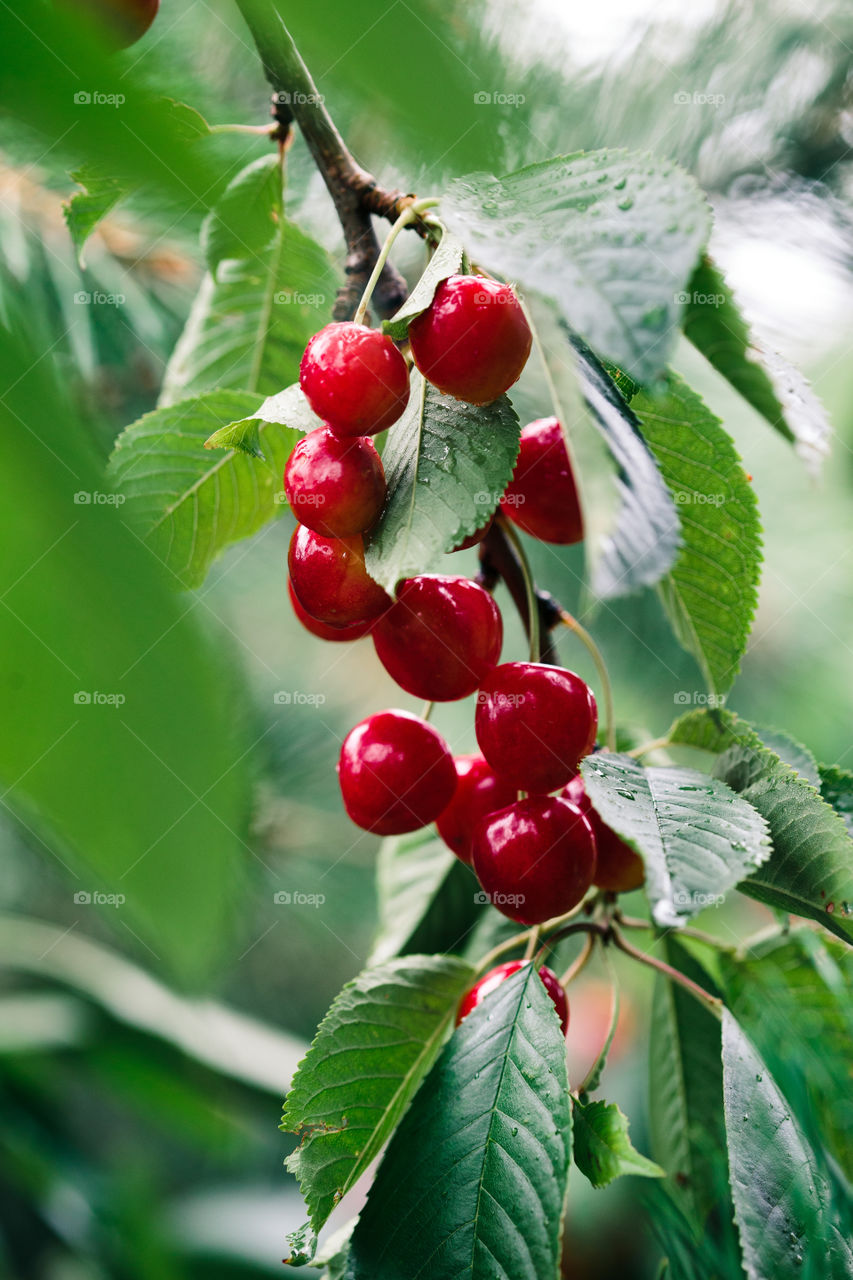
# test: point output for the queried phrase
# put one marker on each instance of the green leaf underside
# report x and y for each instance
(287, 408)
(372, 1049)
(782, 1201)
(446, 261)
(188, 503)
(642, 546)
(474, 1180)
(428, 898)
(711, 592)
(602, 1148)
(714, 324)
(697, 838)
(612, 237)
(260, 303)
(447, 464)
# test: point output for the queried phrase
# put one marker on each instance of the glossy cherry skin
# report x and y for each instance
(535, 859)
(493, 979)
(330, 581)
(479, 791)
(619, 868)
(354, 379)
(335, 484)
(396, 773)
(322, 630)
(534, 723)
(123, 21)
(542, 498)
(440, 638)
(473, 341)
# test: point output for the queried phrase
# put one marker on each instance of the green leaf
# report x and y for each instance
(288, 408)
(714, 324)
(447, 464)
(429, 900)
(601, 1146)
(187, 503)
(712, 729)
(836, 787)
(697, 839)
(711, 592)
(473, 1181)
(642, 545)
(612, 237)
(269, 289)
(811, 870)
(783, 1203)
(596, 1071)
(446, 261)
(371, 1051)
(792, 752)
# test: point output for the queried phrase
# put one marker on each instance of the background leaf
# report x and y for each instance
(601, 1146)
(473, 1181)
(711, 592)
(446, 261)
(447, 464)
(696, 839)
(612, 237)
(836, 787)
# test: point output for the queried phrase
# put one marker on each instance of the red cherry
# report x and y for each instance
(354, 379)
(335, 485)
(330, 580)
(535, 859)
(477, 536)
(322, 629)
(473, 341)
(396, 773)
(123, 22)
(541, 498)
(479, 792)
(440, 638)
(534, 723)
(619, 868)
(493, 979)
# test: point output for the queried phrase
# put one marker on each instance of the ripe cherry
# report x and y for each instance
(535, 859)
(396, 773)
(541, 498)
(534, 723)
(493, 979)
(477, 536)
(123, 21)
(322, 629)
(440, 638)
(330, 581)
(473, 341)
(354, 378)
(479, 791)
(619, 868)
(335, 484)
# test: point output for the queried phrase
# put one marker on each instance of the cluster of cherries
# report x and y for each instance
(536, 853)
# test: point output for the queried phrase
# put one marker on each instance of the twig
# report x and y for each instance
(711, 1003)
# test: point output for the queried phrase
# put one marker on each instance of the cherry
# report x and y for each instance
(535, 859)
(322, 629)
(354, 378)
(477, 536)
(493, 979)
(479, 791)
(534, 723)
(396, 773)
(619, 868)
(440, 638)
(335, 485)
(123, 21)
(330, 581)
(473, 341)
(541, 498)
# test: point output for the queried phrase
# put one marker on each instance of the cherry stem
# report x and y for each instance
(532, 943)
(511, 944)
(711, 1003)
(655, 745)
(529, 585)
(603, 675)
(686, 931)
(409, 214)
(259, 130)
(580, 962)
